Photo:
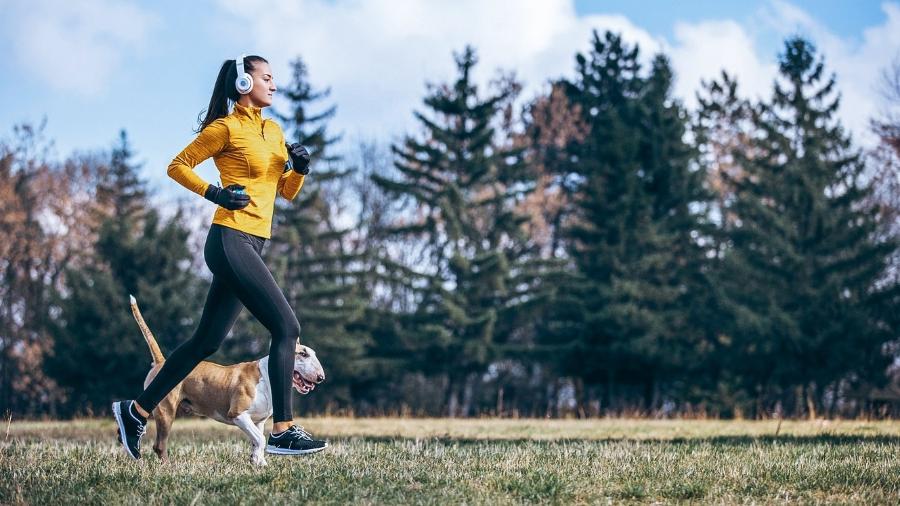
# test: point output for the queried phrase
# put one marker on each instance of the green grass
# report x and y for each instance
(440, 461)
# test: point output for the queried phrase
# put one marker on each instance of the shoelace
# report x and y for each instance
(301, 432)
(141, 428)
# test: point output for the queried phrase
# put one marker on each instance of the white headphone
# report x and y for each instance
(244, 82)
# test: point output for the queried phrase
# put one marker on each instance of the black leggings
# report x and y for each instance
(239, 276)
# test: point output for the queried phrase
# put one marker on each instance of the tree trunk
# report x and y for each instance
(551, 398)
(453, 397)
(579, 397)
(608, 394)
(811, 400)
(758, 409)
(829, 408)
(468, 389)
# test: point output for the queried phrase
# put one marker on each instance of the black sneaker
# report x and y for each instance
(294, 441)
(131, 427)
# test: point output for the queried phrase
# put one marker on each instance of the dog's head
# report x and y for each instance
(308, 371)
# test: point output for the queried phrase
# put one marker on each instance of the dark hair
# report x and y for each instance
(224, 90)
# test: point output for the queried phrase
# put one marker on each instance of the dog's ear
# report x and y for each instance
(298, 347)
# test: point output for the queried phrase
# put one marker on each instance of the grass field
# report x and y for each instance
(441, 461)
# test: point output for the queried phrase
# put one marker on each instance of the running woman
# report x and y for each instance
(255, 164)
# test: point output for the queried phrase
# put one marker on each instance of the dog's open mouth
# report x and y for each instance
(302, 385)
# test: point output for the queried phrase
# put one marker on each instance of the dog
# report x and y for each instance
(238, 394)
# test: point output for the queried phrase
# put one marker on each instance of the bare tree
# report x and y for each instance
(27, 266)
(885, 161)
(552, 123)
(46, 223)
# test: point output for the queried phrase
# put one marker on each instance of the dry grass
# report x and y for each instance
(439, 461)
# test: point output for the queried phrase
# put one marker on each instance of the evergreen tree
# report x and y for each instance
(309, 129)
(123, 194)
(311, 256)
(629, 318)
(99, 351)
(802, 273)
(723, 129)
(680, 205)
(478, 275)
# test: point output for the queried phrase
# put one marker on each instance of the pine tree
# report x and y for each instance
(804, 264)
(679, 204)
(123, 195)
(311, 256)
(606, 90)
(723, 128)
(628, 318)
(309, 129)
(478, 275)
(99, 351)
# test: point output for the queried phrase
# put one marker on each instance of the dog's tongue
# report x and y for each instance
(303, 385)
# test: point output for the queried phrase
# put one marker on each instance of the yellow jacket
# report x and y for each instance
(248, 150)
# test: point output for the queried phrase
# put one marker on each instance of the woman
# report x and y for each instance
(251, 156)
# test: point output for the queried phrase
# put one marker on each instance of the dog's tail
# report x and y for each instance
(155, 352)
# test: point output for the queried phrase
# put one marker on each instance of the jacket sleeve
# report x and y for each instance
(291, 181)
(210, 141)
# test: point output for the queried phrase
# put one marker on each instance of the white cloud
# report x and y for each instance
(76, 46)
(377, 54)
(858, 64)
(702, 50)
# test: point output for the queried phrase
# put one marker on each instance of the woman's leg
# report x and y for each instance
(219, 313)
(254, 285)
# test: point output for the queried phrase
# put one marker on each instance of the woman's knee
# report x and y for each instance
(288, 329)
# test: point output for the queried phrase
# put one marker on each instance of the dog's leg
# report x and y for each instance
(257, 439)
(164, 415)
(261, 428)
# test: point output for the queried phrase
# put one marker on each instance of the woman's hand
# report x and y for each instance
(299, 157)
(232, 197)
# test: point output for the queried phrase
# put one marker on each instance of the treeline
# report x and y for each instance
(595, 250)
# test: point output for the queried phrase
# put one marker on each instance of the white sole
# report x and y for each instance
(118, 413)
(283, 451)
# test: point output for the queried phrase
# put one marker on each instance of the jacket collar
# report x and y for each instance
(252, 112)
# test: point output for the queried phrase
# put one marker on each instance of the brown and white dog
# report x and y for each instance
(238, 394)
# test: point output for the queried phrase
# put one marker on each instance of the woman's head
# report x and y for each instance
(224, 89)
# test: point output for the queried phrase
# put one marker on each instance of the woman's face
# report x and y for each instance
(263, 85)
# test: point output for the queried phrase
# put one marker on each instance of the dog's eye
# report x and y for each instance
(304, 354)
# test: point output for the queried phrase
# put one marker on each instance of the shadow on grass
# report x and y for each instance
(218, 433)
(837, 440)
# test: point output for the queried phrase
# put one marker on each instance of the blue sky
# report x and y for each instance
(846, 18)
(93, 67)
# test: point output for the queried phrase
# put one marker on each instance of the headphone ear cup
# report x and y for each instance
(244, 83)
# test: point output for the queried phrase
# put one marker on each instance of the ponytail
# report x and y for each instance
(224, 93)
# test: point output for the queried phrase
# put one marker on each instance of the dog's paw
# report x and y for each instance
(257, 459)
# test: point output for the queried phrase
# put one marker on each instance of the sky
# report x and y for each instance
(94, 67)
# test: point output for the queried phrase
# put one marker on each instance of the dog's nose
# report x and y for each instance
(320, 378)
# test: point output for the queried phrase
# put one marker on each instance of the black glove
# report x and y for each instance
(299, 157)
(232, 197)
